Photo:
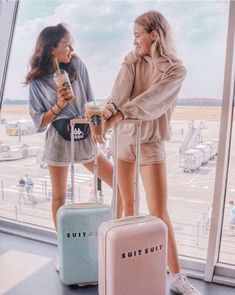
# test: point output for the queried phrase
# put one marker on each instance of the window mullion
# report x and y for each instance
(223, 150)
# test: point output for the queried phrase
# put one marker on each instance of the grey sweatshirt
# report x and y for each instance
(43, 95)
(147, 90)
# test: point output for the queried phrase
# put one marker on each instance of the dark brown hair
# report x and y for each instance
(41, 62)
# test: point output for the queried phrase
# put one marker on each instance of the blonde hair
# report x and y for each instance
(163, 46)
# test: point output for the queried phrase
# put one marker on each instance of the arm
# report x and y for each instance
(113, 120)
(155, 101)
(108, 124)
(121, 91)
(41, 111)
(37, 107)
(64, 96)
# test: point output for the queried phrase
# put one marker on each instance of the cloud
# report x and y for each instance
(103, 35)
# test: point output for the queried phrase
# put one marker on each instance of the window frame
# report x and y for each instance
(210, 270)
(222, 166)
(8, 16)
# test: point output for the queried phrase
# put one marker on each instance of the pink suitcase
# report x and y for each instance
(132, 250)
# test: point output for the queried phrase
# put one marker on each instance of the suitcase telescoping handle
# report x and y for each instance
(95, 170)
(137, 167)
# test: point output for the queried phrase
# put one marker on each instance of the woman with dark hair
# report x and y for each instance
(47, 105)
(146, 89)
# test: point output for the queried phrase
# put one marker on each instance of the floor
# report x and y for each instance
(27, 268)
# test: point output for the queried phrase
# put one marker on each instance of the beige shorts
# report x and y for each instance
(151, 152)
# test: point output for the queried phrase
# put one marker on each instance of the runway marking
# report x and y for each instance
(39, 189)
(186, 200)
(173, 156)
(203, 171)
(205, 182)
(174, 172)
(195, 177)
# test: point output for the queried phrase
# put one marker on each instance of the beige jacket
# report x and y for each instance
(147, 91)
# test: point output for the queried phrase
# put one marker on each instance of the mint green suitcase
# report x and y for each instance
(77, 226)
(78, 241)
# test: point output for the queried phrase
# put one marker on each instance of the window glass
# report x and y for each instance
(102, 43)
(227, 254)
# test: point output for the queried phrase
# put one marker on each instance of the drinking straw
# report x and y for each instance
(57, 64)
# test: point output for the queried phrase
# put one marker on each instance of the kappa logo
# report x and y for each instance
(78, 134)
(139, 252)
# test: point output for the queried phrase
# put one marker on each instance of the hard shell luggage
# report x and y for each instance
(132, 250)
(77, 226)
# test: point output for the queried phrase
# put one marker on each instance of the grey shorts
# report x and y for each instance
(57, 150)
(150, 153)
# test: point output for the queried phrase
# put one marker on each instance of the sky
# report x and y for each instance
(103, 35)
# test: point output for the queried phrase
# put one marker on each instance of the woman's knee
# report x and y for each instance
(161, 214)
(105, 170)
(58, 199)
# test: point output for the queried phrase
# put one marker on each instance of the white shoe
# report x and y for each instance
(57, 264)
(181, 285)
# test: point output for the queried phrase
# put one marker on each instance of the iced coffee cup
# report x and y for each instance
(94, 112)
(61, 79)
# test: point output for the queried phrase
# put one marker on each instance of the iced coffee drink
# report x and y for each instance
(61, 79)
(94, 112)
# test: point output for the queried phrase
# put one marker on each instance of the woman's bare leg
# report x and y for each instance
(105, 172)
(126, 185)
(155, 184)
(58, 176)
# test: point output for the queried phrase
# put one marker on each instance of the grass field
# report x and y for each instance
(197, 113)
(180, 112)
(16, 111)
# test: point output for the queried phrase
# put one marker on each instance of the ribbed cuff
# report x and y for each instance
(126, 113)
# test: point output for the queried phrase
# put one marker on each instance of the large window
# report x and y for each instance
(227, 250)
(191, 174)
(200, 31)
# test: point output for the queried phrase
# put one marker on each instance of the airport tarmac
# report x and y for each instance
(190, 193)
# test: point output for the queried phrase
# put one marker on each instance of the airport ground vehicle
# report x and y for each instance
(190, 160)
(20, 127)
(11, 152)
(19, 151)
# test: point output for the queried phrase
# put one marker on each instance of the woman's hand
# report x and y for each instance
(108, 124)
(107, 113)
(64, 96)
(109, 110)
(98, 138)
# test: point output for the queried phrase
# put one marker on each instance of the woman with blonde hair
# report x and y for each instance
(146, 89)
